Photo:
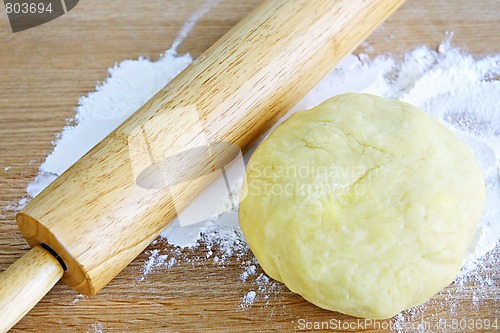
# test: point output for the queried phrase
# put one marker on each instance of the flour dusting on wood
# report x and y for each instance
(461, 91)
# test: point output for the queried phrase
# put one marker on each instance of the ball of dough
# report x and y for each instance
(362, 205)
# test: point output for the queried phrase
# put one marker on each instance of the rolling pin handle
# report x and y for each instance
(25, 282)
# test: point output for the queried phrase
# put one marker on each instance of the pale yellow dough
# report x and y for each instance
(362, 205)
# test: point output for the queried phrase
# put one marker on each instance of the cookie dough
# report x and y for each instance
(362, 205)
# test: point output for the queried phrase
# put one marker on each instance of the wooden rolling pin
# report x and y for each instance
(94, 219)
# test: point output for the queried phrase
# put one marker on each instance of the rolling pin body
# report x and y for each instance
(98, 218)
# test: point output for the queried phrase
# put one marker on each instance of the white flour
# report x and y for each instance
(459, 90)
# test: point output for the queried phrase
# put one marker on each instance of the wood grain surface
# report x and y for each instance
(46, 69)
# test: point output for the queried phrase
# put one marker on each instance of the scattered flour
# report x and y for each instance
(189, 25)
(155, 260)
(78, 298)
(248, 299)
(248, 271)
(461, 91)
(97, 328)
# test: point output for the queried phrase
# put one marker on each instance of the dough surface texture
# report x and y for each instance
(362, 205)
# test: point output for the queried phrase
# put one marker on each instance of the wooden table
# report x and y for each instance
(46, 69)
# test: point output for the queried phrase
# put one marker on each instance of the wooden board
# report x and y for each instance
(46, 69)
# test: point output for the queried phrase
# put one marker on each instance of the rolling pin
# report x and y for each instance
(96, 217)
